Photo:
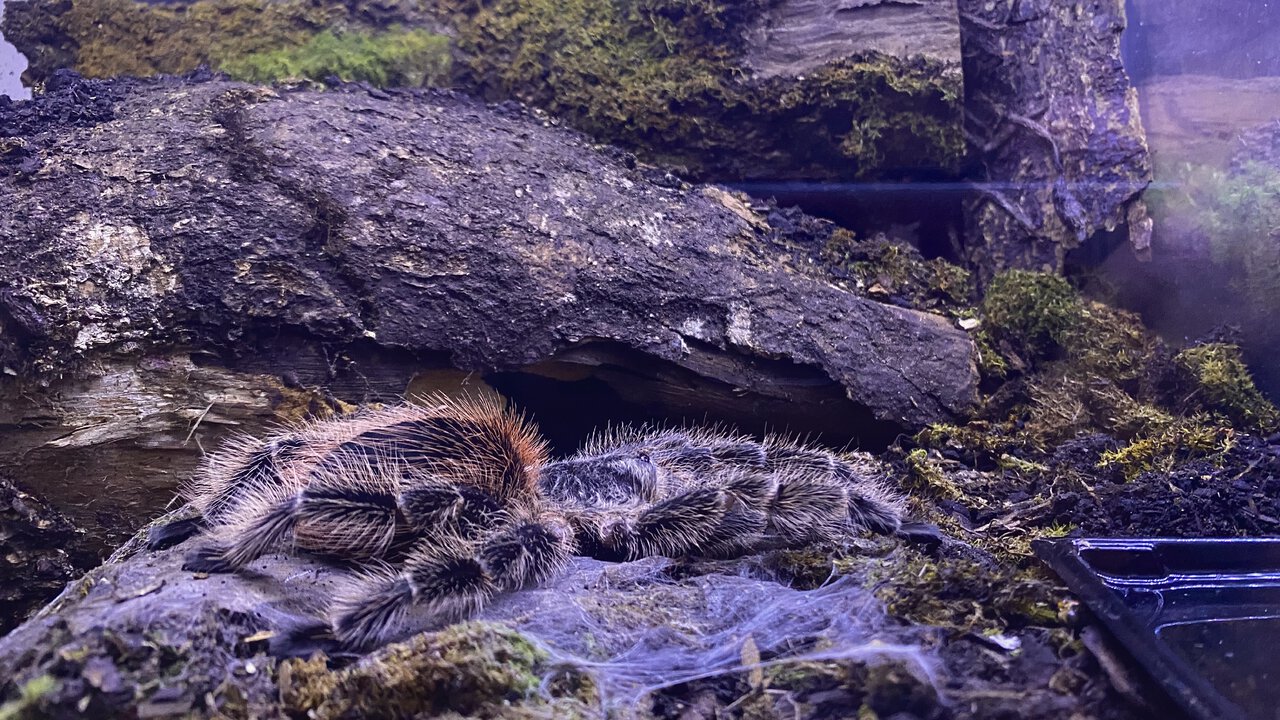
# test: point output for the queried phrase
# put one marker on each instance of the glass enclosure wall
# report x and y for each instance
(1208, 77)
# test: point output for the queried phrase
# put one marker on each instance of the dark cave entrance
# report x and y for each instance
(593, 387)
(589, 387)
(926, 213)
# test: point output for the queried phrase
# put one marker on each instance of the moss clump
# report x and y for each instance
(962, 594)
(1223, 384)
(1110, 343)
(1185, 439)
(890, 270)
(1081, 367)
(1018, 465)
(662, 76)
(27, 703)
(250, 40)
(991, 364)
(471, 668)
(405, 58)
(1051, 407)
(1038, 317)
(1033, 313)
(878, 688)
(123, 37)
(924, 475)
(977, 442)
(1068, 402)
(903, 110)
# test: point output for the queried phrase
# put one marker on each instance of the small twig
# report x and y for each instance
(1252, 464)
(197, 425)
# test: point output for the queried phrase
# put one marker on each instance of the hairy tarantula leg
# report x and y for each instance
(268, 529)
(789, 459)
(874, 514)
(527, 553)
(743, 453)
(230, 475)
(752, 489)
(428, 507)
(804, 510)
(260, 469)
(451, 580)
(670, 528)
(464, 509)
(341, 522)
(452, 577)
(346, 522)
(871, 506)
(739, 533)
(372, 606)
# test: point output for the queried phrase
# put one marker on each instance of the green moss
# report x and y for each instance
(471, 668)
(991, 364)
(925, 475)
(122, 37)
(1039, 317)
(888, 269)
(1034, 313)
(974, 440)
(962, 594)
(1160, 451)
(901, 110)
(1057, 530)
(27, 703)
(250, 40)
(407, 58)
(1016, 464)
(877, 688)
(662, 76)
(1067, 401)
(1223, 384)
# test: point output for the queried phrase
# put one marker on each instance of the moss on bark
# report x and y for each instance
(661, 77)
(475, 669)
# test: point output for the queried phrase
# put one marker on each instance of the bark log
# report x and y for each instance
(1053, 119)
(798, 36)
(186, 258)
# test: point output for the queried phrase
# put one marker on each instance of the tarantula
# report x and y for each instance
(449, 502)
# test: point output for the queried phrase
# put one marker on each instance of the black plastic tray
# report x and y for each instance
(1201, 616)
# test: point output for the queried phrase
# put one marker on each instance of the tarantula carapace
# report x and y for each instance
(448, 502)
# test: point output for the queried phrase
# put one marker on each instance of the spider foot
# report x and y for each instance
(927, 535)
(209, 559)
(305, 640)
(165, 536)
(873, 514)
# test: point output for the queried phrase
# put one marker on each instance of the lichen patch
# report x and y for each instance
(116, 258)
